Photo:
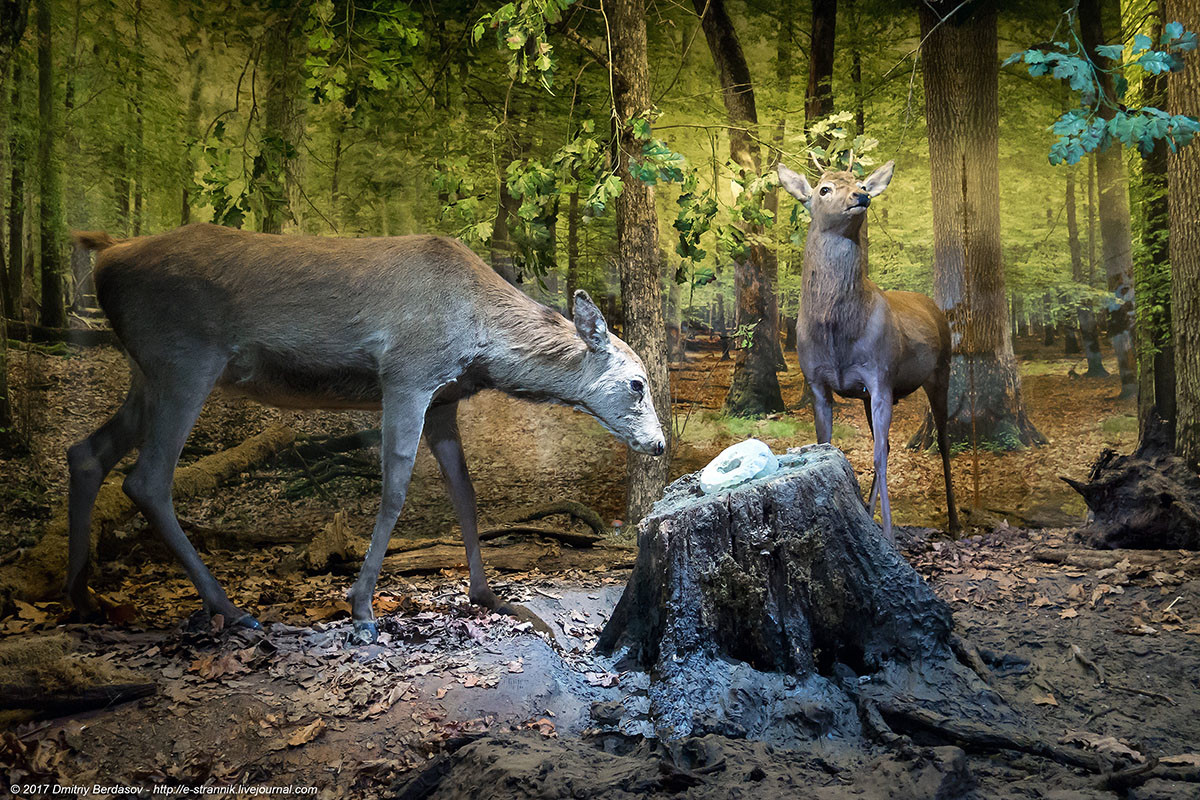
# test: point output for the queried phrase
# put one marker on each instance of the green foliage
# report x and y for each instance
(1084, 130)
(360, 51)
(841, 151)
(521, 29)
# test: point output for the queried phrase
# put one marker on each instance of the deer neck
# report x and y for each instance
(834, 281)
(536, 356)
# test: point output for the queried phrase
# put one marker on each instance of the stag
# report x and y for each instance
(857, 340)
(409, 325)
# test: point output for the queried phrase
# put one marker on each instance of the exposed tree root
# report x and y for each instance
(1105, 559)
(39, 573)
(973, 736)
(569, 507)
(1139, 774)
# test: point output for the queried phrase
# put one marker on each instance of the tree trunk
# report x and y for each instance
(785, 48)
(1116, 249)
(961, 72)
(139, 120)
(188, 170)
(638, 253)
(818, 95)
(860, 111)
(754, 390)
(19, 146)
(1155, 352)
(502, 244)
(758, 610)
(281, 123)
(572, 245)
(54, 312)
(1183, 166)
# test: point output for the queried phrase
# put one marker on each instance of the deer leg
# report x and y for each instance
(403, 417)
(881, 414)
(90, 462)
(874, 475)
(822, 413)
(937, 405)
(173, 402)
(441, 433)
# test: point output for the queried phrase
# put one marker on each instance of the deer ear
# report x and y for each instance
(795, 183)
(879, 179)
(589, 322)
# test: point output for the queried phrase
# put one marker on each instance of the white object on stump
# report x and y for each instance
(738, 464)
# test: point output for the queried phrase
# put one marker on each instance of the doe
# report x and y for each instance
(410, 325)
(857, 340)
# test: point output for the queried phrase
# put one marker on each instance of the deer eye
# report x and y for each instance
(825, 190)
(637, 386)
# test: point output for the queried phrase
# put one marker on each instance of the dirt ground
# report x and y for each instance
(1112, 640)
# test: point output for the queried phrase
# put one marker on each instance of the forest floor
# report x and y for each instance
(291, 706)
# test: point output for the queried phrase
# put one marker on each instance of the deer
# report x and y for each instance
(406, 325)
(858, 341)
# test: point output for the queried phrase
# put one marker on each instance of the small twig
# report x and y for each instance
(1143, 693)
(1088, 663)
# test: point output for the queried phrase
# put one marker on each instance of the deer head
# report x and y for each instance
(840, 199)
(613, 386)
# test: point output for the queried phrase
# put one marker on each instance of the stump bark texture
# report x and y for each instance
(777, 610)
(1149, 499)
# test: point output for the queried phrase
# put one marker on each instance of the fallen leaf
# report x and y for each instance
(516, 666)
(1045, 700)
(1181, 760)
(305, 734)
(1068, 613)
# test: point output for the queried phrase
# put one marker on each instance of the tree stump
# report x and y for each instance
(777, 610)
(1149, 499)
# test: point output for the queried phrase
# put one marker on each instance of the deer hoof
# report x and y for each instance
(364, 632)
(247, 621)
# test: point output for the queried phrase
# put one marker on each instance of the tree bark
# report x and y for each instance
(637, 249)
(818, 95)
(754, 390)
(281, 122)
(572, 245)
(1183, 90)
(54, 312)
(502, 243)
(961, 71)
(1116, 249)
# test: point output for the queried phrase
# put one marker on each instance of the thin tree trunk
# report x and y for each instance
(18, 149)
(1156, 351)
(637, 249)
(572, 245)
(961, 72)
(54, 313)
(1183, 89)
(818, 95)
(860, 111)
(502, 244)
(196, 61)
(1115, 235)
(785, 48)
(281, 120)
(754, 390)
(139, 119)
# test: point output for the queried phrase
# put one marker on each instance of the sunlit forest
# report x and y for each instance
(664, 178)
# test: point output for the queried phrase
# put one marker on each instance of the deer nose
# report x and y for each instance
(862, 199)
(660, 447)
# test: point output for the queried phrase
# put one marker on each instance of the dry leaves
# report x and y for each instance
(306, 733)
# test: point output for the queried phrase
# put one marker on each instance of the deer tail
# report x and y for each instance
(93, 240)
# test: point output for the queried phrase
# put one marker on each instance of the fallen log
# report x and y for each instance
(45, 704)
(40, 571)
